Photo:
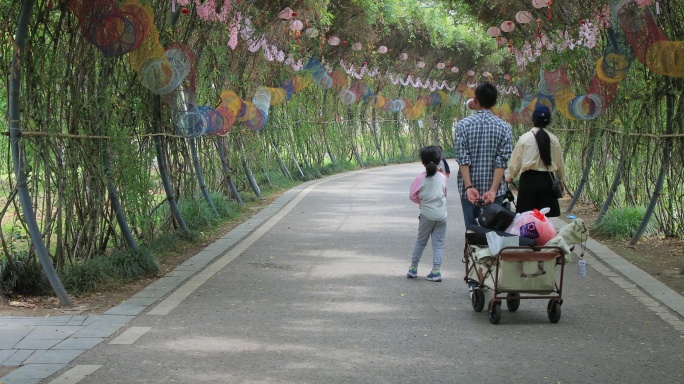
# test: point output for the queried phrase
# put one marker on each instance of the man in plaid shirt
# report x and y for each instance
(483, 147)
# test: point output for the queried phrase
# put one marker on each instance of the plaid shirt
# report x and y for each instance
(484, 142)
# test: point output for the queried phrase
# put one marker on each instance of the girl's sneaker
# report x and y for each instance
(412, 272)
(436, 277)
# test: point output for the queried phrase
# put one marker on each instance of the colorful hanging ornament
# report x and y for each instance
(548, 8)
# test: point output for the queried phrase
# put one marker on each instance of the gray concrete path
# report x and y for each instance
(313, 290)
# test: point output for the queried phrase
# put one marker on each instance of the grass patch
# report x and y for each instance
(23, 275)
(622, 223)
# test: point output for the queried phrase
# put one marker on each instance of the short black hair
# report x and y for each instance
(486, 95)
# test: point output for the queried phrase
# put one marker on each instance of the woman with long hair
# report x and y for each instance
(537, 156)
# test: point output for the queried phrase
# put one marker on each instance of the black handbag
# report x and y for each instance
(555, 186)
(495, 216)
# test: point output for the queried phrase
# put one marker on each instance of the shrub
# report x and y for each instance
(85, 277)
(129, 265)
(23, 275)
(622, 223)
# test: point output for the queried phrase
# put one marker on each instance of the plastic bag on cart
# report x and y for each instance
(533, 225)
(477, 235)
(496, 242)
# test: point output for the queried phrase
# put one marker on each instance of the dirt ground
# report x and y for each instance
(662, 258)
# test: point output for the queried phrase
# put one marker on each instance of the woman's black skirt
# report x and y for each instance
(534, 191)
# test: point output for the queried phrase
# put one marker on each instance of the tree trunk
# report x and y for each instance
(664, 165)
(19, 166)
(200, 176)
(225, 165)
(161, 163)
(585, 172)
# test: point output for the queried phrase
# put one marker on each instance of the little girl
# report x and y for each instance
(429, 190)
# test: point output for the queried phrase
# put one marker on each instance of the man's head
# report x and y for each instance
(486, 95)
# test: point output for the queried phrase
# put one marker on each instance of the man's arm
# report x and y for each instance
(471, 192)
(490, 195)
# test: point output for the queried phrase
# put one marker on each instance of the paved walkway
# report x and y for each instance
(311, 289)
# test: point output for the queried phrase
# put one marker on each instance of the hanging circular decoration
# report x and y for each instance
(441, 66)
(486, 74)
(539, 3)
(470, 73)
(311, 32)
(403, 56)
(333, 40)
(494, 31)
(285, 14)
(296, 25)
(523, 17)
(420, 64)
(507, 77)
(454, 69)
(357, 46)
(382, 49)
(508, 26)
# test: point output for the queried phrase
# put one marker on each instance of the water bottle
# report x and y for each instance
(582, 267)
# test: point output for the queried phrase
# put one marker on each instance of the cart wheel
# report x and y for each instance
(478, 299)
(494, 312)
(513, 301)
(554, 311)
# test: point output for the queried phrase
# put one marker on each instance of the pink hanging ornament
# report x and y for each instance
(285, 14)
(507, 26)
(296, 25)
(523, 17)
(493, 31)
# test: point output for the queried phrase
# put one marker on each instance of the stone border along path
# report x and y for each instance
(44, 345)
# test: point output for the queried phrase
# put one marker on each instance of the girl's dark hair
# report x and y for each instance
(544, 143)
(430, 156)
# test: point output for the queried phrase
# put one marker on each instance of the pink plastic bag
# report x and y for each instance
(533, 225)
